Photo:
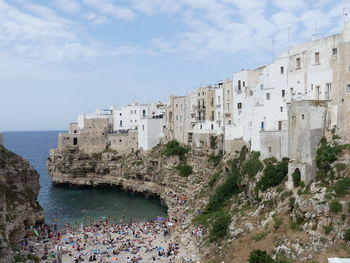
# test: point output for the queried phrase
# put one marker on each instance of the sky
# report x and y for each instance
(61, 58)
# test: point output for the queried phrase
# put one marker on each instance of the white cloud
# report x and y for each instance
(109, 8)
(68, 6)
(95, 19)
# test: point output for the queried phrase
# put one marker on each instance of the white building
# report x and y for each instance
(147, 119)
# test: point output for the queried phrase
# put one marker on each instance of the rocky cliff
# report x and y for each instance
(19, 209)
(236, 203)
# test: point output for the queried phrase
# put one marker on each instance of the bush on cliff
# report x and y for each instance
(326, 154)
(215, 159)
(274, 174)
(184, 169)
(342, 187)
(347, 235)
(335, 206)
(224, 192)
(260, 256)
(253, 165)
(213, 142)
(219, 228)
(173, 148)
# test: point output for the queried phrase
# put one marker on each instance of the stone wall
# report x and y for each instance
(1, 139)
(123, 142)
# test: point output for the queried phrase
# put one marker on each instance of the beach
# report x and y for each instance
(103, 241)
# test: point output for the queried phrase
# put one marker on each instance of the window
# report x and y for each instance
(270, 149)
(75, 141)
(267, 96)
(282, 70)
(283, 93)
(334, 51)
(328, 91)
(219, 100)
(298, 63)
(280, 125)
(177, 117)
(239, 85)
(239, 105)
(302, 116)
(131, 112)
(120, 114)
(212, 126)
(317, 58)
(144, 113)
(201, 126)
(120, 140)
(199, 93)
(121, 123)
(243, 83)
(262, 125)
(281, 109)
(143, 127)
(348, 88)
(261, 86)
(177, 105)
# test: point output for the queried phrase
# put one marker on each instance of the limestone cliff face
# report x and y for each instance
(19, 209)
(151, 174)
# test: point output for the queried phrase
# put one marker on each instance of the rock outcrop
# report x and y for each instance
(19, 209)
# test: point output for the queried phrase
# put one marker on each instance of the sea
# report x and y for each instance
(64, 204)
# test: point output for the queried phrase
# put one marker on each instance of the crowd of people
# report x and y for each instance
(101, 241)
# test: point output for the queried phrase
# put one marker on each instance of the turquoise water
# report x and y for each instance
(76, 205)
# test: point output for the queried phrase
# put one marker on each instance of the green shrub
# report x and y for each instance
(214, 179)
(220, 226)
(342, 187)
(213, 142)
(278, 223)
(327, 229)
(223, 192)
(274, 174)
(340, 167)
(347, 235)
(302, 184)
(326, 154)
(173, 148)
(260, 256)
(335, 206)
(215, 159)
(297, 225)
(184, 169)
(253, 165)
(296, 179)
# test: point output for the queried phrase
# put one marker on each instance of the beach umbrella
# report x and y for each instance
(183, 198)
(36, 233)
(160, 218)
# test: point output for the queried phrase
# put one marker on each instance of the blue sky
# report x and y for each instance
(60, 58)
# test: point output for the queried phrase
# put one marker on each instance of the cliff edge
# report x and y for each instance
(19, 209)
